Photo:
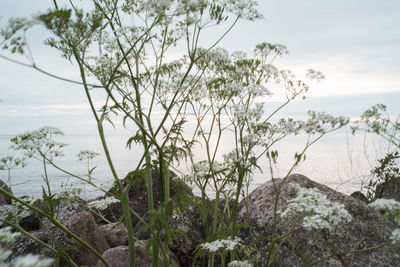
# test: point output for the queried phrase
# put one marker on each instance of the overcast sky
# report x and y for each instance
(356, 44)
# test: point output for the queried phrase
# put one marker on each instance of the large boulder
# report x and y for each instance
(31, 221)
(366, 229)
(190, 224)
(5, 200)
(25, 245)
(389, 189)
(84, 226)
(119, 256)
(138, 194)
(115, 234)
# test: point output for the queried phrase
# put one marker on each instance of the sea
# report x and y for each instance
(340, 160)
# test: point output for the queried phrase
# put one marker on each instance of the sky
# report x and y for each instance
(355, 44)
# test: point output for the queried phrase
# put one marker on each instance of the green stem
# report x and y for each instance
(34, 238)
(149, 182)
(128, 221)
(214, 226)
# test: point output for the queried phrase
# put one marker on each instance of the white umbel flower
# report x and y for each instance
(317, 210)
(7, 236)
(390, 206)
(395, 237)
(103, 203)
(385, 204)
(226, 244)
(240, 264)
(31, 260)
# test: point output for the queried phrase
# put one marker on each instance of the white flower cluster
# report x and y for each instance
(246, 9)
(86, 155)
(9, 162)
(40, 142)
(103, 203)
(390, 206)
(31, 260)
(4, 254)
(319, 212)
(240, 264)
(258, 90)
(242, 113)
(203, 168)
(225, 244)
(395, 237)
(7, 237)
(385, 204)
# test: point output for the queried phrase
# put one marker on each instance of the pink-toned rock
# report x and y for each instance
(84, 226)
(366, 229)
(119, 257)
(114, 234)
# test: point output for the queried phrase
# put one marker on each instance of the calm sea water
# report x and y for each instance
(339, 160)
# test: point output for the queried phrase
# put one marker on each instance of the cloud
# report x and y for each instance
(43, 110)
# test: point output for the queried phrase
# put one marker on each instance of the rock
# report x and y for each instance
(366, 229)
(30, 222)
(191, 225)
(26, 219)
(84, 226)
(114, 234)
(389, 189)
(63, 210)
(5, 200)
(360, 196)
(138, 195)
(139, 230)
(223, 203)
(119, 257)
(24, 245)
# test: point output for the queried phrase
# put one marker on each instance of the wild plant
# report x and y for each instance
(376, 120)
